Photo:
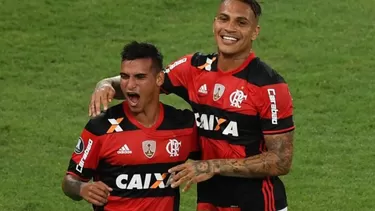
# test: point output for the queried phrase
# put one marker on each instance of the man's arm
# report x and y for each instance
(95, 193)
(115, 83)
(274, 162)
(72, 187)
(105, 91)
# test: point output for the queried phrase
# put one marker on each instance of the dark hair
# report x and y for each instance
(141, 50)
(255, 6)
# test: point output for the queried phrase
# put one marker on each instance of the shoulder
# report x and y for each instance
(261, 74)
(196, 59)
(100, 124)
(177, 118)
(199, 59)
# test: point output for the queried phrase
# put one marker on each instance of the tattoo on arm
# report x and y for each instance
(203, 167)
(72, 187)
(275, 161)
(115, 83)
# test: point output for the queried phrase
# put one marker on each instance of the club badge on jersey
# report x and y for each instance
(236, 98)
(173, 147)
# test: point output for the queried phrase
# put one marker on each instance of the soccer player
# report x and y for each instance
(244, 113)
(128, 149)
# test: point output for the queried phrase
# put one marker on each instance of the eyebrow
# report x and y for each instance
(238, 17)
(137, 74)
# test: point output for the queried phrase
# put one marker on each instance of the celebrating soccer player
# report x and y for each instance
(128, 149)
(244, 112)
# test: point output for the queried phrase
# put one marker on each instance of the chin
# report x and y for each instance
(135, 110)
(228, 50)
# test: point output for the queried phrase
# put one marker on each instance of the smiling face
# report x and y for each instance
(140, 83)
(235, 28)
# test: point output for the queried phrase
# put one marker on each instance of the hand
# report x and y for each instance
(192, 172)
(102, 95)
(95, 193)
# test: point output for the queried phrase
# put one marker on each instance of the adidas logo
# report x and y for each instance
(124, 150)
(203, 89)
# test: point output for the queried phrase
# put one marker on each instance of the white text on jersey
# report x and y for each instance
(136, 182)
(81, 163)
(213, 123)
(272, 96)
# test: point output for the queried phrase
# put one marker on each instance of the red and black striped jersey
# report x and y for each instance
(233, 110)
(134, 160)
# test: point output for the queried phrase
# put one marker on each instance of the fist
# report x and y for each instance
(95, 193)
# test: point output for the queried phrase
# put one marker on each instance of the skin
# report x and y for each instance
(139, 76)
(95, 193)
(235, 19)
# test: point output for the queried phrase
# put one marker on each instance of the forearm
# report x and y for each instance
(262, 165)
(72, 187)
(115, 83)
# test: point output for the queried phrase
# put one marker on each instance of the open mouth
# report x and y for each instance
(133, 98)
(228, 39)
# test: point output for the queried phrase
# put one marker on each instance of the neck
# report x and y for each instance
(227, 62)
(149, 115)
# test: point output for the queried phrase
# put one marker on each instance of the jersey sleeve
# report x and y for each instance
(276, 109)
(178, 77)
(85, 157)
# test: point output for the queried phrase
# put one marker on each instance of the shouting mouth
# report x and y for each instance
(133, 98)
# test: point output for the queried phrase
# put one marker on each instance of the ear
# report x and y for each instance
(160, 78)
(255, 33)
(213, 25)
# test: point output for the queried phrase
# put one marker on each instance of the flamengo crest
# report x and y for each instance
(236, 98)
(173, 147)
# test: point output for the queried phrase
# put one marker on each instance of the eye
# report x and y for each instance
(140, 76)
(222, 18)
(242, 23)
(124, 76)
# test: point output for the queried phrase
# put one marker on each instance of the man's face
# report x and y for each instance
(235, 27)
(140, 83)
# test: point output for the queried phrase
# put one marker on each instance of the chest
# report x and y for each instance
(137, 147)
(225, 92)
(225, 107)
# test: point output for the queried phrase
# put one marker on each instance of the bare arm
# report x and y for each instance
(93, 192)
(115, 83)
(105, 90)
(72, 187)
(274, 162)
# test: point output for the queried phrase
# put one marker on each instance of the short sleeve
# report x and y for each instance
(178, 77)
(85, 157)
(276, 109)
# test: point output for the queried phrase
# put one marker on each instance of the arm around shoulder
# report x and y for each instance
(113, 82)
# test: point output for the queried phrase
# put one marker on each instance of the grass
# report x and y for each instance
(53, 53)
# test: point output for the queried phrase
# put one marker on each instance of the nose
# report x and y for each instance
(132, 83)
(230, 26)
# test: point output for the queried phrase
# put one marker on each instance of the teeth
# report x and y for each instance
(229, 38)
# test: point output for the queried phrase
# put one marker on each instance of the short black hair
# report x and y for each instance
(142, 50)
(255, 6)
